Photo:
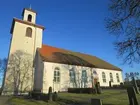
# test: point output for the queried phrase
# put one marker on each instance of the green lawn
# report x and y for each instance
(108, 97)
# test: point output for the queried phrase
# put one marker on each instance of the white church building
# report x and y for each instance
(50, 66)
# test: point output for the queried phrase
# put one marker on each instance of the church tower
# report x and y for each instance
(26, 34)
(26, 37)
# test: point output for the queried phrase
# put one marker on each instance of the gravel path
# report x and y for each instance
(4, 100)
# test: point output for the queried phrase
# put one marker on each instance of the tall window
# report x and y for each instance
(57, 75)
(111, 77)
(84, 78)
(29, 18)
(117, 77)
(29, 32)
(72, 76)
(104, 77)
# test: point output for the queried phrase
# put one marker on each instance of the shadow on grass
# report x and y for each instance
(17, 100)
(72, 102)
(107, 104)
(61, 101)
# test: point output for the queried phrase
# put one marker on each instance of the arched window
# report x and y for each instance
(29, 18)
(29, 32)
(117, 77)
(56, 74)
(111, 77)
(72, 76)
(104, 77)
(84, 78)
(84, 75)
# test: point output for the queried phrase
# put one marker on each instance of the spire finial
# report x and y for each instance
(30, 7)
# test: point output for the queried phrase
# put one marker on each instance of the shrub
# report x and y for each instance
(39, 96)
(138, 83)
(116, 86)
(125, 86)
(55, 96)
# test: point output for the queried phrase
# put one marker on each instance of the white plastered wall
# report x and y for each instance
(64, 84)
(107, 72)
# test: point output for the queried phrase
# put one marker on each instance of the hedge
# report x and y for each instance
(81, 90)
(38, 96)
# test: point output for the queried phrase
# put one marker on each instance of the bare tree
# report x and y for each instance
(124, 22)
(127, 77)
(19, 72)
(131, 75)
(134, 75)
(3, 64)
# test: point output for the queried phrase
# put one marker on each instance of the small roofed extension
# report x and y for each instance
(51, 58)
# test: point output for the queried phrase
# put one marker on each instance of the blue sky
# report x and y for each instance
(76, 25)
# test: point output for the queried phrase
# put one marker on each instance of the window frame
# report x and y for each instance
(84, 77)
(111, 77)
(72, 76)
(104, 77)
(56, 78)
(117, 77)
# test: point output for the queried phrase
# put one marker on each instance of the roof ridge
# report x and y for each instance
(68, 50)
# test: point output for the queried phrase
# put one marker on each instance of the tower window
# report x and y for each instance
(29, 32)
(29, 18)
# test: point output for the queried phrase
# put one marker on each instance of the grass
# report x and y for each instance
(23, 101)
(108, 97)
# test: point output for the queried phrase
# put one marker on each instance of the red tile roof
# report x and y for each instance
(57, 55)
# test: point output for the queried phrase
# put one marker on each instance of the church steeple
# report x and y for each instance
(29, 15)
(26, 37)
